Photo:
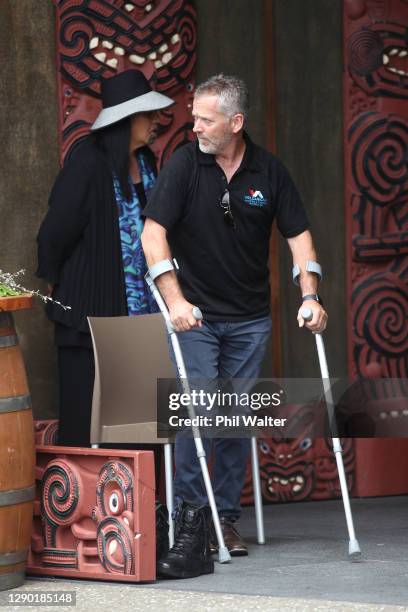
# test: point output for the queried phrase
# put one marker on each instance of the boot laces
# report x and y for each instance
(184, 538)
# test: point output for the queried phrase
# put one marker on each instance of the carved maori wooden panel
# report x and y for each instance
(376, 204)
(46, 432)
(99, 38)
(376, 185)
(299, 469)
(94, 514)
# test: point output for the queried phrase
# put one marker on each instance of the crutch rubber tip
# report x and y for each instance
(354, 551)
(223, 555)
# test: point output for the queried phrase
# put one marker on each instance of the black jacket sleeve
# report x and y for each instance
(67, 217)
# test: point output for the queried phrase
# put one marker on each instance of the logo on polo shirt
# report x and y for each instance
(254, 197)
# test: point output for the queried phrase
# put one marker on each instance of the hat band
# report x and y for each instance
(118, 97)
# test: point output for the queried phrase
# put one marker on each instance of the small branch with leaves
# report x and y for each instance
(10, 287)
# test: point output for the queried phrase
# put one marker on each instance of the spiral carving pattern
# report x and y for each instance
(75, 34)
(46, 433)
(114, 542)
(179, 70)
(51, 434)
(61, 489)
(365, 52)
(380, 306)
(380, 158)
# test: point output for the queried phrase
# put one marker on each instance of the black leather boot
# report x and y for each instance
(162, 531)
(190, 556)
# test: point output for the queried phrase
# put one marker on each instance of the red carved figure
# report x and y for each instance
(299, 469)
(376, 167)
(100, 38)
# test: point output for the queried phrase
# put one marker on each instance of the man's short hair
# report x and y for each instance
(232, 92)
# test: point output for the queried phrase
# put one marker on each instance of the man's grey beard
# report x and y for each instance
(214, 148)
(211, 148)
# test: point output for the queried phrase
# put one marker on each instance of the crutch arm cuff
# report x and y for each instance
(311, 266)
(159, 268)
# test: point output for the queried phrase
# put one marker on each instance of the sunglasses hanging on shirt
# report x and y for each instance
(225, 205)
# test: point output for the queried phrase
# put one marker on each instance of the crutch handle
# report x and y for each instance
(306, 314)
(197, 314)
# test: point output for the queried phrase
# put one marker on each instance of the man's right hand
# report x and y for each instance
(181, 315)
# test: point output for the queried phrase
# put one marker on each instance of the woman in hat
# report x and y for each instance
(89, 248)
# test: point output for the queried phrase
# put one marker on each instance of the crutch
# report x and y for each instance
(354, 548)
(223, 554)
(256, 482)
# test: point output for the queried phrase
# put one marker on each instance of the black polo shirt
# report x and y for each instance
(223, 270)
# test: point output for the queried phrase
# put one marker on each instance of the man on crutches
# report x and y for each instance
(212, 209)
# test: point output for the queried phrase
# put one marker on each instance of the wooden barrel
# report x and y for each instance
(17, 458)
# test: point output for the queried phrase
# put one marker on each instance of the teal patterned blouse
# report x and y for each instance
(138, 296)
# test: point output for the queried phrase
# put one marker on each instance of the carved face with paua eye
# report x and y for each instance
(287, 469)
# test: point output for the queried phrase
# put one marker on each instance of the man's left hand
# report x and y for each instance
(319, 321)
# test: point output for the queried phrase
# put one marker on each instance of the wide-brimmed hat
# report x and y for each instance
(125, 94)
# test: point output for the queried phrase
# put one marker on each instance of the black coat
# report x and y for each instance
(79, 241)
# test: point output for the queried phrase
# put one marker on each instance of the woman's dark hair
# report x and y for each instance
(114, 141)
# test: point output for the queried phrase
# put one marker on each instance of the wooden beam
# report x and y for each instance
(270, 131)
